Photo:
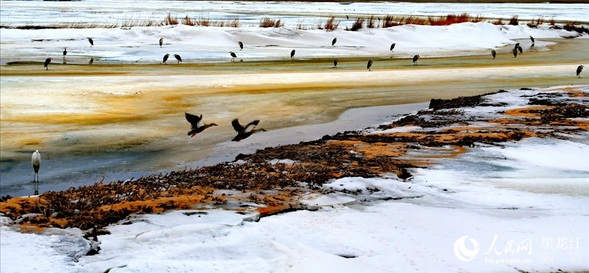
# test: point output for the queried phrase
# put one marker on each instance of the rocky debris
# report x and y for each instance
(263, 179)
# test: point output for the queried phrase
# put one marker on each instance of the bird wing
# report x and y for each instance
(392, 47)
(237, 126)
(177, 57)
(193, 119)
(250, 126)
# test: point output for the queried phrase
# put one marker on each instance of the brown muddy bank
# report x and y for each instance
(275, 179)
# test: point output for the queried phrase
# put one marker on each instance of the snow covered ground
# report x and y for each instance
(519, 206)
(205, 44)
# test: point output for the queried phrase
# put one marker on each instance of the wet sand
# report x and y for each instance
(125, 120)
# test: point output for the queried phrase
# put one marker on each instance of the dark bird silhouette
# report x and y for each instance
(520, 49)
(579, 69)
(233, 55)
(64, 53)
(166, 57)
(36, 161)
(415, 58)
(333, 41)
(392, 46)
(334, 62)
(533, 41)
(196, 123)
(178, 58)
(514, 51)
(292, 53)
(240, 45)
(369, 65)
(161, 41)
(90, 41)
(493, 53)
(46, 63)
(91, 61)
(347, 17)
(245, 132)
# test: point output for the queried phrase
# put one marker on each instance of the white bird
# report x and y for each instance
(36, 160)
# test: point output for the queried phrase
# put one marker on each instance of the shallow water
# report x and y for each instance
(128, 120)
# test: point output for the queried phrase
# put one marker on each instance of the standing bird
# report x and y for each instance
(369, 65)
(166, 57)
(245, 132)
(240, 45)
(46, 63)
(533, 41)
(161, 42)
(334, 62)
(91, 61)
(91, 41)
(333, 41)
(196, 124)
(392, 46)
(493, 53)
(514, 51)
(292, 53)
(64, 53)
(233, 56)
(178, 58)
(415, 58)
(579, 69)
(36, 160)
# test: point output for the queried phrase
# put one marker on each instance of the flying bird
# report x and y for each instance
(579, 69)
(368, 65)
(334, 62)
(161, 41)
(36, 160)
(196, 123)
(166, 57)
(415, 58)
(292, 53)
(233, 55)
(46, 63)
(333, 41)
(91, 41)
(493, 53)
(240, 45)
(245, 132)
(178, 58)
(392, 46)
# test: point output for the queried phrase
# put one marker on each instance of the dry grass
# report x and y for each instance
(454, 19)
(330, 25)
(169, 20)
(267, 22)
(359, 24)
(514, 21)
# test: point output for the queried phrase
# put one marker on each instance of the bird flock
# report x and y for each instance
(517, 49)
(243, 132)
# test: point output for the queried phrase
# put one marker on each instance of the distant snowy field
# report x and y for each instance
(211, 44)
(519, 206)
